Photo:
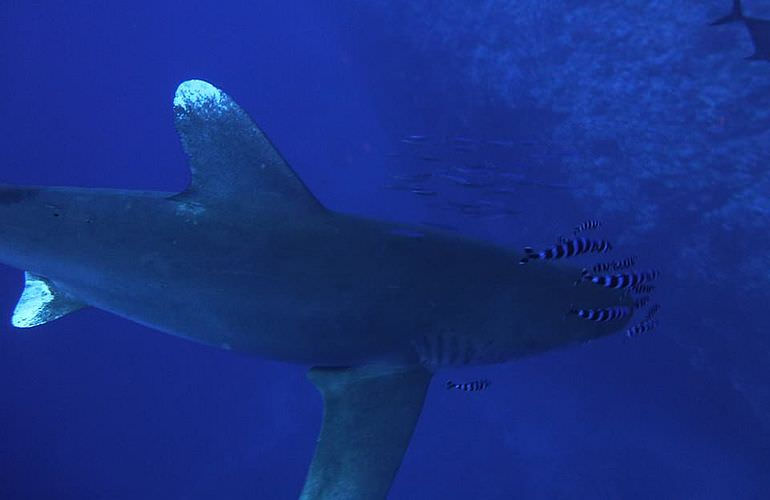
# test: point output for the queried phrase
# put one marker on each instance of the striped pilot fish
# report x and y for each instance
(606, 314)
(476, 385)
(648, 324)
(569, 248)
(615, 265)
(627, 280)
(641, 289)
(584, 226)
(644, 327)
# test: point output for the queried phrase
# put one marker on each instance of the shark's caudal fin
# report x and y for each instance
(735, 15)
(231, 159)
(41, 302)
(369, 415)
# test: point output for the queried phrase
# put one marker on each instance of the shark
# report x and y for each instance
(246, 258)
(759, 31)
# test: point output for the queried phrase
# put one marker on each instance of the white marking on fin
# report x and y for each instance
(197, 93)
(41, 302)
(231, 160)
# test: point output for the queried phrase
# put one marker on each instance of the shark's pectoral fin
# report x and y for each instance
(369, 415)
(41, 302)
(231, 159)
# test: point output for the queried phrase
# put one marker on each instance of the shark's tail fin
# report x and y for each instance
(734, 16)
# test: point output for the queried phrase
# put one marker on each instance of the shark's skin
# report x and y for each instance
(247, 259)
(759, 31)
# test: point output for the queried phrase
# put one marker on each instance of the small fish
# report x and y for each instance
(615, 265)
(586, 225)
(424, 192)
(645, 326)
(607, 314)
(620, 280)
(643, 288)
(414, 139)
(476, 385)
(569, 248)
(641, 302)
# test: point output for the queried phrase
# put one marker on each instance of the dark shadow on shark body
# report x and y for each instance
(759, 30)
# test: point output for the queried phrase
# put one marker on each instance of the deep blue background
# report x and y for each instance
(92, 406)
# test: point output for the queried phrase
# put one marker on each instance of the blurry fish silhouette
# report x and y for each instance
(652, 311)
(759, 30)
(414, 139)
(424, 192)
(645, 326)
(476, 385)
(643, 288)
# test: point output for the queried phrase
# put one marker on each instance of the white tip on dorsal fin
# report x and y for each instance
(41, 302)
(231, 159)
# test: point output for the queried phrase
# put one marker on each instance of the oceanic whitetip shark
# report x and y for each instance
(247, 259)
(759, 31)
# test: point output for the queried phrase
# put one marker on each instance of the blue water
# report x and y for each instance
(634, 113)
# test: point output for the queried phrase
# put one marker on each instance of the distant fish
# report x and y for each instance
(569, 248)
(643, 288)
(615, 265)
(414, 139)
(620, 280)
(606, 314)
(586, 225)
(476, 385)
(641, 302)
(645, 326)
(424, 192)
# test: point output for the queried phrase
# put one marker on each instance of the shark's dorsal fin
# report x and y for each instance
(231, 160)
(41, 302)
(369, 415)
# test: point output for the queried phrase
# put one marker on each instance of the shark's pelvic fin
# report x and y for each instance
(41, 302)
(231, 160)
(734, 16)
(369, 415)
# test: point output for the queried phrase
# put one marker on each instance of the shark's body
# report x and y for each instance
(759, 31)
(247, 259)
